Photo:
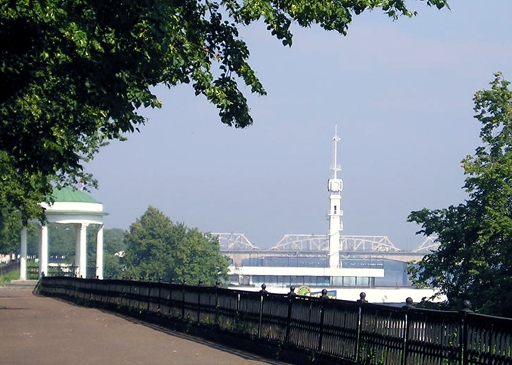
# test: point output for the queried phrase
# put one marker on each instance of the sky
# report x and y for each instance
(400, 93)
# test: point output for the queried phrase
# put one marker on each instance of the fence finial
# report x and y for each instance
(466, 306)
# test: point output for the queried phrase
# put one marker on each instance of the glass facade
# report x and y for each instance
(308, 261)
(287, 261)
(290, 280)
(285, 281)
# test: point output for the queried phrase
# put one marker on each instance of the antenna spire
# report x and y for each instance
(335, 167)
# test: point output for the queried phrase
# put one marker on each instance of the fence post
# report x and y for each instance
(122, 295)
(463, 338)
(108, 297)
(321, 336)
(237, 312)
(406, 338)
(289, 320)
(140, 299)
(183, 301)
(199, 303)
(148, 307)
(133, 301)
(261, 315)
(75, 296)
(358, 335)
(217, 319)
(170, 298)
(126, 294)
(159, 307)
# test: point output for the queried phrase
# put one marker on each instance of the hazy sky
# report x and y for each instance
(401, 93)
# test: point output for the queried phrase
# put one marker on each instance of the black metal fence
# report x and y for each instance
(334, 331)
(5, 269)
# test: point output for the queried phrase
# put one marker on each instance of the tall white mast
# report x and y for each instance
(335, 186)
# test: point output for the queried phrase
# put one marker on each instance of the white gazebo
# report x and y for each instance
(70, 206)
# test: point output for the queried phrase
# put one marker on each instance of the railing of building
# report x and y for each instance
(326, 331)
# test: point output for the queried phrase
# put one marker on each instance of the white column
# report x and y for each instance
(99, 253)
(82, 268)
(43, 251)
(334, 231)
(77, 249)
(23, 254)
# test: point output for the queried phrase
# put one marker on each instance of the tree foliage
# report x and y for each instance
(76, 73)
(62, 241)
(10, 227)
(474, 259)
(10, 235)
(113, 240)
(157, 248)
(113, 246)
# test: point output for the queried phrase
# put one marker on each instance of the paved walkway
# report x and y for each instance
(39, 330)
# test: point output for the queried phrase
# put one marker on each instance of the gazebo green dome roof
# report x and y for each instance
(71, 195)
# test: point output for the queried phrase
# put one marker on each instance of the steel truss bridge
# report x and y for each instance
(239, 247)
